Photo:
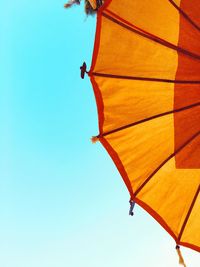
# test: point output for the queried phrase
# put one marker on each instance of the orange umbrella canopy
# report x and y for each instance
(146, 77)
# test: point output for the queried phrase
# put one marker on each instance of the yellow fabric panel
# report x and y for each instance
(170, 192)
(159, 17)
(128, 101)
(191, 233)
(144, 147)
(124, 52)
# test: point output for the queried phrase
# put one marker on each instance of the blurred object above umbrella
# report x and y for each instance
(91, 6)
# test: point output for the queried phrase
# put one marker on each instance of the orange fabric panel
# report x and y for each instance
(188, 123)
(191, 8)
(189, 158)
(189, 34)
(186, 95)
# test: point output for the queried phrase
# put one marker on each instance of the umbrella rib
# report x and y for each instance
(148, 119)
(148, 35)
(165, 161)
(188, 214)
(106, 75)
(185, 15)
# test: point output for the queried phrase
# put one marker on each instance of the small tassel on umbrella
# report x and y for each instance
(181, 260)
(94, 139)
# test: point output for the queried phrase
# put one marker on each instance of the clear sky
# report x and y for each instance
(62, 201)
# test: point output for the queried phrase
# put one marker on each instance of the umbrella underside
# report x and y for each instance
(146, 78)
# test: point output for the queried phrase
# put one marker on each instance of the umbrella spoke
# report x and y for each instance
(188, 214)
(106, 75)
(148, 119)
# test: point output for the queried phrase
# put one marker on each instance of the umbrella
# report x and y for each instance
(146, 78)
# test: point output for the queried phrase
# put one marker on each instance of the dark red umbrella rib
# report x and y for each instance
(107, 75)
(166, 160)
(127, 25)
(189, 213)
(148, 119)
(184, 14)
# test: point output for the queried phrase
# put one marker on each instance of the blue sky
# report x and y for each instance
(62, 201)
